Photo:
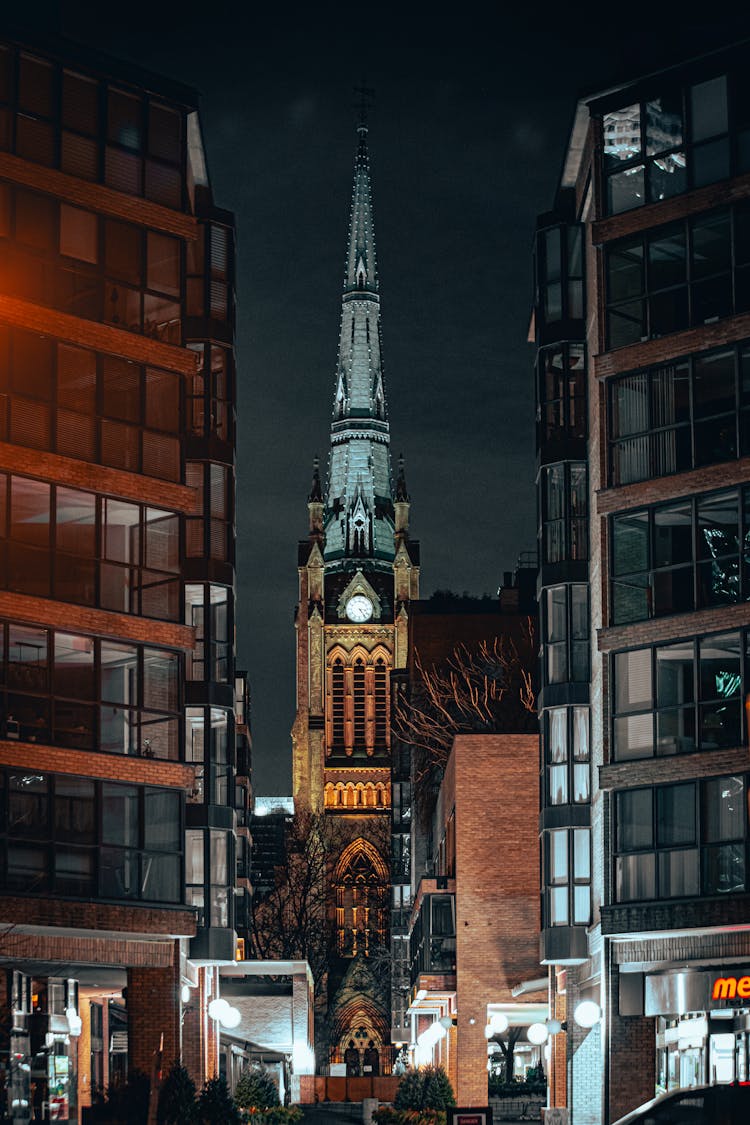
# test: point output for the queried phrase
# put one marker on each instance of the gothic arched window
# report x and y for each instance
(361, 899)
(358, 702)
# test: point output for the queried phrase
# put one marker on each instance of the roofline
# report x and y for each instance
(69, 51)
(587, 105)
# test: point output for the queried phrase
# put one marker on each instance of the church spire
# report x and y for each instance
(359, 519)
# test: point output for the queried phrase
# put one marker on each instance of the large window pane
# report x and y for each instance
(667, 258)
(630, 543)
(29, 511)
(625, 271)
(678, 873)
(711, 244)
(28, 805)
(622, 135)
(120, 815)
(74, 666)
(119, 673)
(27, 658)
(633, 680)
(161, 820)
(634, 823)
(674, 674)
(664, 122)
(675, 815)
(75, 522)
(708, 108)
(121, 531)
(724, 811)
(160, 679)
(160, 878)
(635, 877)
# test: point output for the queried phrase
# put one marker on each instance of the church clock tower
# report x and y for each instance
(358, 572)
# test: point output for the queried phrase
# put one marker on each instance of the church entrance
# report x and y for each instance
(359, 1049)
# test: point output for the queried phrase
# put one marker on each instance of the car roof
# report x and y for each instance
(633, 1116)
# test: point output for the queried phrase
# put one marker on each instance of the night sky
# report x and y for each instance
(466, 141)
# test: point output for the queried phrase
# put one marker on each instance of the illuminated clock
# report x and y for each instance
(359, 609)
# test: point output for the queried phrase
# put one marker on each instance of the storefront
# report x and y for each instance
(702, 1025)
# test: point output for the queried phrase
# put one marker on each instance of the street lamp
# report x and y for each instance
(587, 1013)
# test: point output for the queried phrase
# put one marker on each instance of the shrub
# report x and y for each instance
(256, 1089)
(427, 1088)
(177, 1098)
(126, 1102)
(410, 1090)
(216, 1105)
(438, 1092)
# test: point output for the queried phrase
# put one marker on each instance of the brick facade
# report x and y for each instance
(153, 1006)
(492, 782)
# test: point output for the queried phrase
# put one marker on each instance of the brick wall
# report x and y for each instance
(154, 1010)
(98, 478)
(119, 767)
(97, 916)
(495, 782)
(65, 615)
(631, 1055)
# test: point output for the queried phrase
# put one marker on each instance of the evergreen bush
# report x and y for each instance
(216, 1105)
(256, 1088)
(438, 1092)
(427, 1088)
(177, 1097)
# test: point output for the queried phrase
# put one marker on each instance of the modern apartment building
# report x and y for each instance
(642, 329)
(117, 698)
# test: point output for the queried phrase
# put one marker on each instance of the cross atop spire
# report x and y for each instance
(366, 101)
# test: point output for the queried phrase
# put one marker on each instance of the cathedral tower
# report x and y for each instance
(358, 571)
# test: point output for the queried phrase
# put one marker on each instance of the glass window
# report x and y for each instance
(122, 251)
(124, 118)
(582, 853)
(194, 856)
(161, 820)
(160, 679)
(633, 680)
(28, 805)
(29, 511)
(119, 673)
(724, 815)
(675, 815)
(121, 389)
(708, 108)
(162, 540)
(634, 823)
(75, 811)
(27, 658)
(622, 135)
(74, 666)
(75, 522)
(121, 531)
(163, 256)
(219, 860)
(120, 815)
(664, 122)
(78, 234)
(667, 257)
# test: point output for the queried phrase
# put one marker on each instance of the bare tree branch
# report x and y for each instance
(487, 686)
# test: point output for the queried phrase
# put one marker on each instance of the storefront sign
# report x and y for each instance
(481, 1116)
(731, 988)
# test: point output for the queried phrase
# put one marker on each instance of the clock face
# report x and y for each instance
(359, 608)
